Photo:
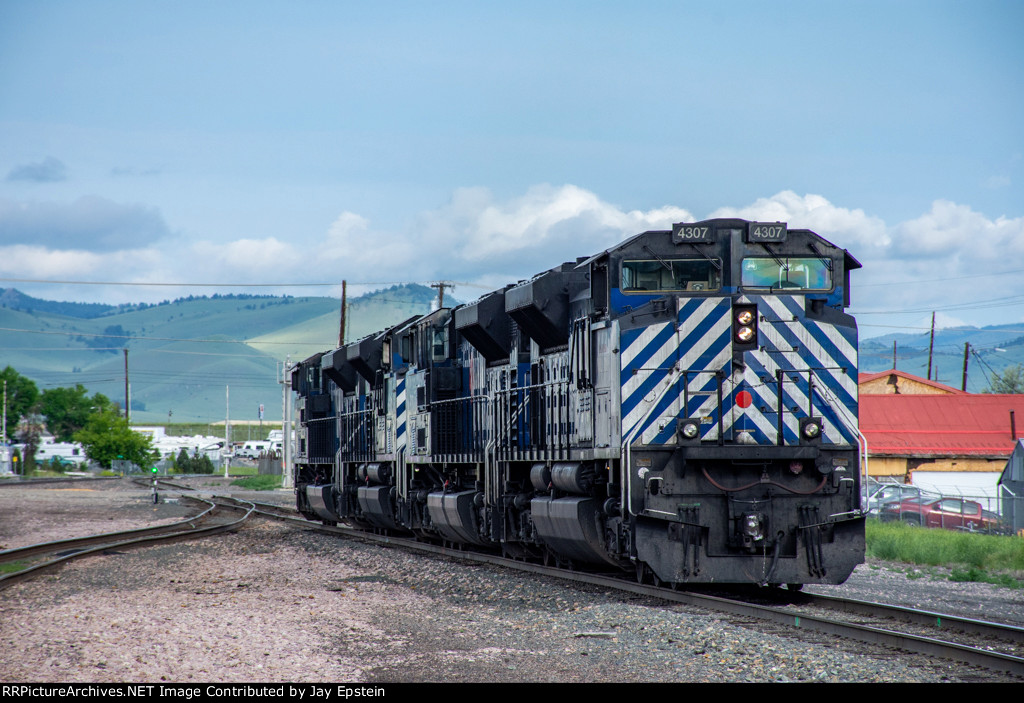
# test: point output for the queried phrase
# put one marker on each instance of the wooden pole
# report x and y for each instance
(127, 409)
(341, 331)
(931, 346)
(963, 384)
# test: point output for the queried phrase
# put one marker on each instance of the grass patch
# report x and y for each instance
(12, 566)
(258, 483)
(974, 557)
(975, 575)
(243, 470)
(238, 432)
(40, 472)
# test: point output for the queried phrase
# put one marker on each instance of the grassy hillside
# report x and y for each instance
(191, 357)
(994, 348)
(196, 359)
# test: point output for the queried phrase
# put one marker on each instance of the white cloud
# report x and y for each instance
(476, 237)
(930, 262)
(533, 232)
(30, 261)
(248, 257)
(957, 230)
(851, 229)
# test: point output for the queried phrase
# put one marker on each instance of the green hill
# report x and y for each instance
(993, 349)
(191, 357)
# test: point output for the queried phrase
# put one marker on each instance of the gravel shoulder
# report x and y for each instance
(272, 603)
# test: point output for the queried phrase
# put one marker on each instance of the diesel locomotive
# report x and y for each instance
(682, 405)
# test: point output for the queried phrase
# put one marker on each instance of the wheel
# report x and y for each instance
(912, 521)
(795, 586)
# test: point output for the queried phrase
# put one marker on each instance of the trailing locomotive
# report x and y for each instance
(682, 405)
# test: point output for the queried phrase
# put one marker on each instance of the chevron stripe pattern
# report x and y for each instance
(806, 351)
(665, 364)
(658, 361)
(401, 416)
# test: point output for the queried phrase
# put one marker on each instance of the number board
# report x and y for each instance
(766, 232)
(694, 233)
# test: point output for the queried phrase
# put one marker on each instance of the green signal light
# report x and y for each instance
(154, 469)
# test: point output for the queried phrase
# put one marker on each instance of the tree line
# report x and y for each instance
(72, 415)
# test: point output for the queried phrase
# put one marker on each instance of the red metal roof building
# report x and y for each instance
(938, 431)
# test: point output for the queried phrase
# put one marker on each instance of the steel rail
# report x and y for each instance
(916, 616)
(112, 541)
(11, 482)
(31, 550)
(995, 661)
(780, 615)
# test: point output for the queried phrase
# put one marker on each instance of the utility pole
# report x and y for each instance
(127, 408)
(963, 384)
(441, 285)
(286, 424)
(341, 331)
(6, 449)
(227, 429)
(931, 346)
(894, 354)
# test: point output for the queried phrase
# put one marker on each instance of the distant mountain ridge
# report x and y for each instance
(200, 358)
(193, 359)
(14, 299)
(992, 349)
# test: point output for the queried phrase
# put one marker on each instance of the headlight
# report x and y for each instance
(690, 430)
(744, 326)
(812, 430)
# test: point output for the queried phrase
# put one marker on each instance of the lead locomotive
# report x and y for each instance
(683, 404)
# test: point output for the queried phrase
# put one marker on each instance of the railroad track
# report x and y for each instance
(24, 562)
(994, 646)
(12, 482)
(981, 633)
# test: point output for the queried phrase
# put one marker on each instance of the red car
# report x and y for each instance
(951, 513)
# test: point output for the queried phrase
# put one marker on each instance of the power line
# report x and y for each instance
(1011, 300)
(180, 284)
(931, 280)
(323, 345)
(984, 364)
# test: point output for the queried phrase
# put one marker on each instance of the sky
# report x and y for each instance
(287, 146)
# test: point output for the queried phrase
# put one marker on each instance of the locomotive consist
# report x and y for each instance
(683, 404)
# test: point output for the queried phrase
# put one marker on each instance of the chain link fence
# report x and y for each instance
(995, 511)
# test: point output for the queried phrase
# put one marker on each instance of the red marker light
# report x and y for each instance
(744, 399)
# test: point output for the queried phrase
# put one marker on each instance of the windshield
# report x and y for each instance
(788, 272)
(692, 275)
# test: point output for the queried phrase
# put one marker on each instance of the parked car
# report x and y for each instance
(891, 493)
(252, 450)
(950, 513)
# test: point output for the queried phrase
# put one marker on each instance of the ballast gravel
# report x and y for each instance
(273, 603)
